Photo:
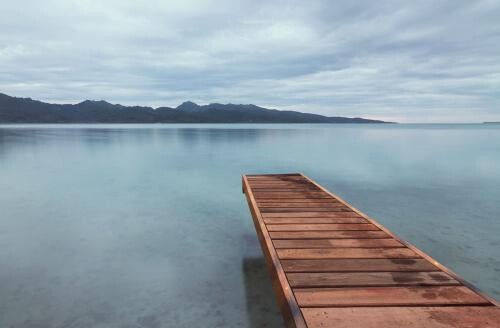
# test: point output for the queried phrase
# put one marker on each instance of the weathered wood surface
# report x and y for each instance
(333, 266)
(401, 317)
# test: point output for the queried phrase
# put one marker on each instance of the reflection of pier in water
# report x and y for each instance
(261, 307)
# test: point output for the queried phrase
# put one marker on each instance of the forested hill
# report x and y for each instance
(26, 110)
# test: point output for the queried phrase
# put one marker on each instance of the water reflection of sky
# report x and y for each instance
(126, 225)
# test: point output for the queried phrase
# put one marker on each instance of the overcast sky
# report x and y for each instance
(408, 61)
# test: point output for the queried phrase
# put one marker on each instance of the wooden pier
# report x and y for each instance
(333, 266)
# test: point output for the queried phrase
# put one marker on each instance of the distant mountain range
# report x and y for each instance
(26, 110)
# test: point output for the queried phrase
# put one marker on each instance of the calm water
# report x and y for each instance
(146, 225)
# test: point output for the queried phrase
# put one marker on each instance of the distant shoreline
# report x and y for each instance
(245, 123)
(213, 123)
(27, 110)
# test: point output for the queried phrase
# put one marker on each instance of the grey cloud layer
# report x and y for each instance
(420, 61)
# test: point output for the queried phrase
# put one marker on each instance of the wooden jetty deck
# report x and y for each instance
(333, 266)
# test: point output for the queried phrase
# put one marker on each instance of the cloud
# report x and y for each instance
(426, 61)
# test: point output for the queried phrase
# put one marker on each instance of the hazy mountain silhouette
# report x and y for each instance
(27, 110)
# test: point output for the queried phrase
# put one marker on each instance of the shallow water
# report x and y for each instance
(146, 225)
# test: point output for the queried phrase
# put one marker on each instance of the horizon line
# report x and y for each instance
(221, 103)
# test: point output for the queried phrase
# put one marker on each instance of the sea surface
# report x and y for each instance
(146, 226)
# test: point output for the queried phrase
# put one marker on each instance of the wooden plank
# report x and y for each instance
(292, 197)
(387, 296)
(297, 200)
(289, 193)
(301, 205)
(284, 187)
(296, 177)
(321, 227)
(358, 265)
(399, 317)
(346, 253)
(327, 234)
(312, 215)
(280, 189)
(284, 197)
(361, 279)
(286, 190)
(278, 181)
(281, 183)
(274, 181)
(272, 175)
(282, 176)
(336, 243)
(303, 209)
(312, 220)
